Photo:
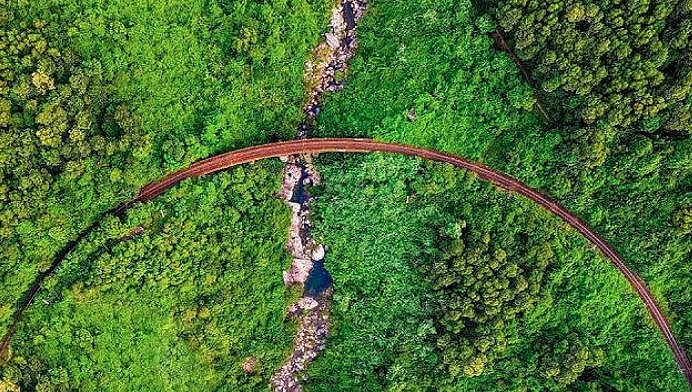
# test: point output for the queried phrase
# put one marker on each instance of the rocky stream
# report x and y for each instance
(324, 72)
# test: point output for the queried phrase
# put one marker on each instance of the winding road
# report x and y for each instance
(315, 146)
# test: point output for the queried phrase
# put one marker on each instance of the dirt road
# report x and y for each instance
(315, 146)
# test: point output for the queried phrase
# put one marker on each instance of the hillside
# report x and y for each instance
(433, 280)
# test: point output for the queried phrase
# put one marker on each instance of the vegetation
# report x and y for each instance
(441, 282)
(416, 312)
(96, 101)
(180, 306)
(620, 68)
(436, 83)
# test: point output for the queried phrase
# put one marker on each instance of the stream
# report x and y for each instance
(313, 309)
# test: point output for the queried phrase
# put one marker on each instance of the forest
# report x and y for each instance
(441, 282)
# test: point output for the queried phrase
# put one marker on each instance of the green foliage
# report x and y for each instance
(431, 58)
(98, 99)
(58, 125)
(441, 282)
(410, 245)
(682, 220)
(180, 306)
(479, 291)
(566, 359)
(383, 333)
(618, 65)
(618, 74)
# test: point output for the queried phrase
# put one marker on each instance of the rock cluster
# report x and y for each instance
(314, 322)
(313, 314)
(297, 176)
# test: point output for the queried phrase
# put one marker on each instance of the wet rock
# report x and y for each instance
(333, 54)
(303, 128)
(292, 174)
(349, 16)
(300, 269)
(312, 332)
(332, 40)
(347, 42)
(307, 303)
(318, 253)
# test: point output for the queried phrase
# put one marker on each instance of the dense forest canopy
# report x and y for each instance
(92, 108)
(474, 103)
(441, 282)
(620, 67)
(540, 333)
(189, 297)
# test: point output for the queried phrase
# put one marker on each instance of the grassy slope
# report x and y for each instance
(383, 337)
(434, 57)
(200, 77)
(180, 307)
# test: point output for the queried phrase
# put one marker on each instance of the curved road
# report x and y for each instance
(314, 146)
